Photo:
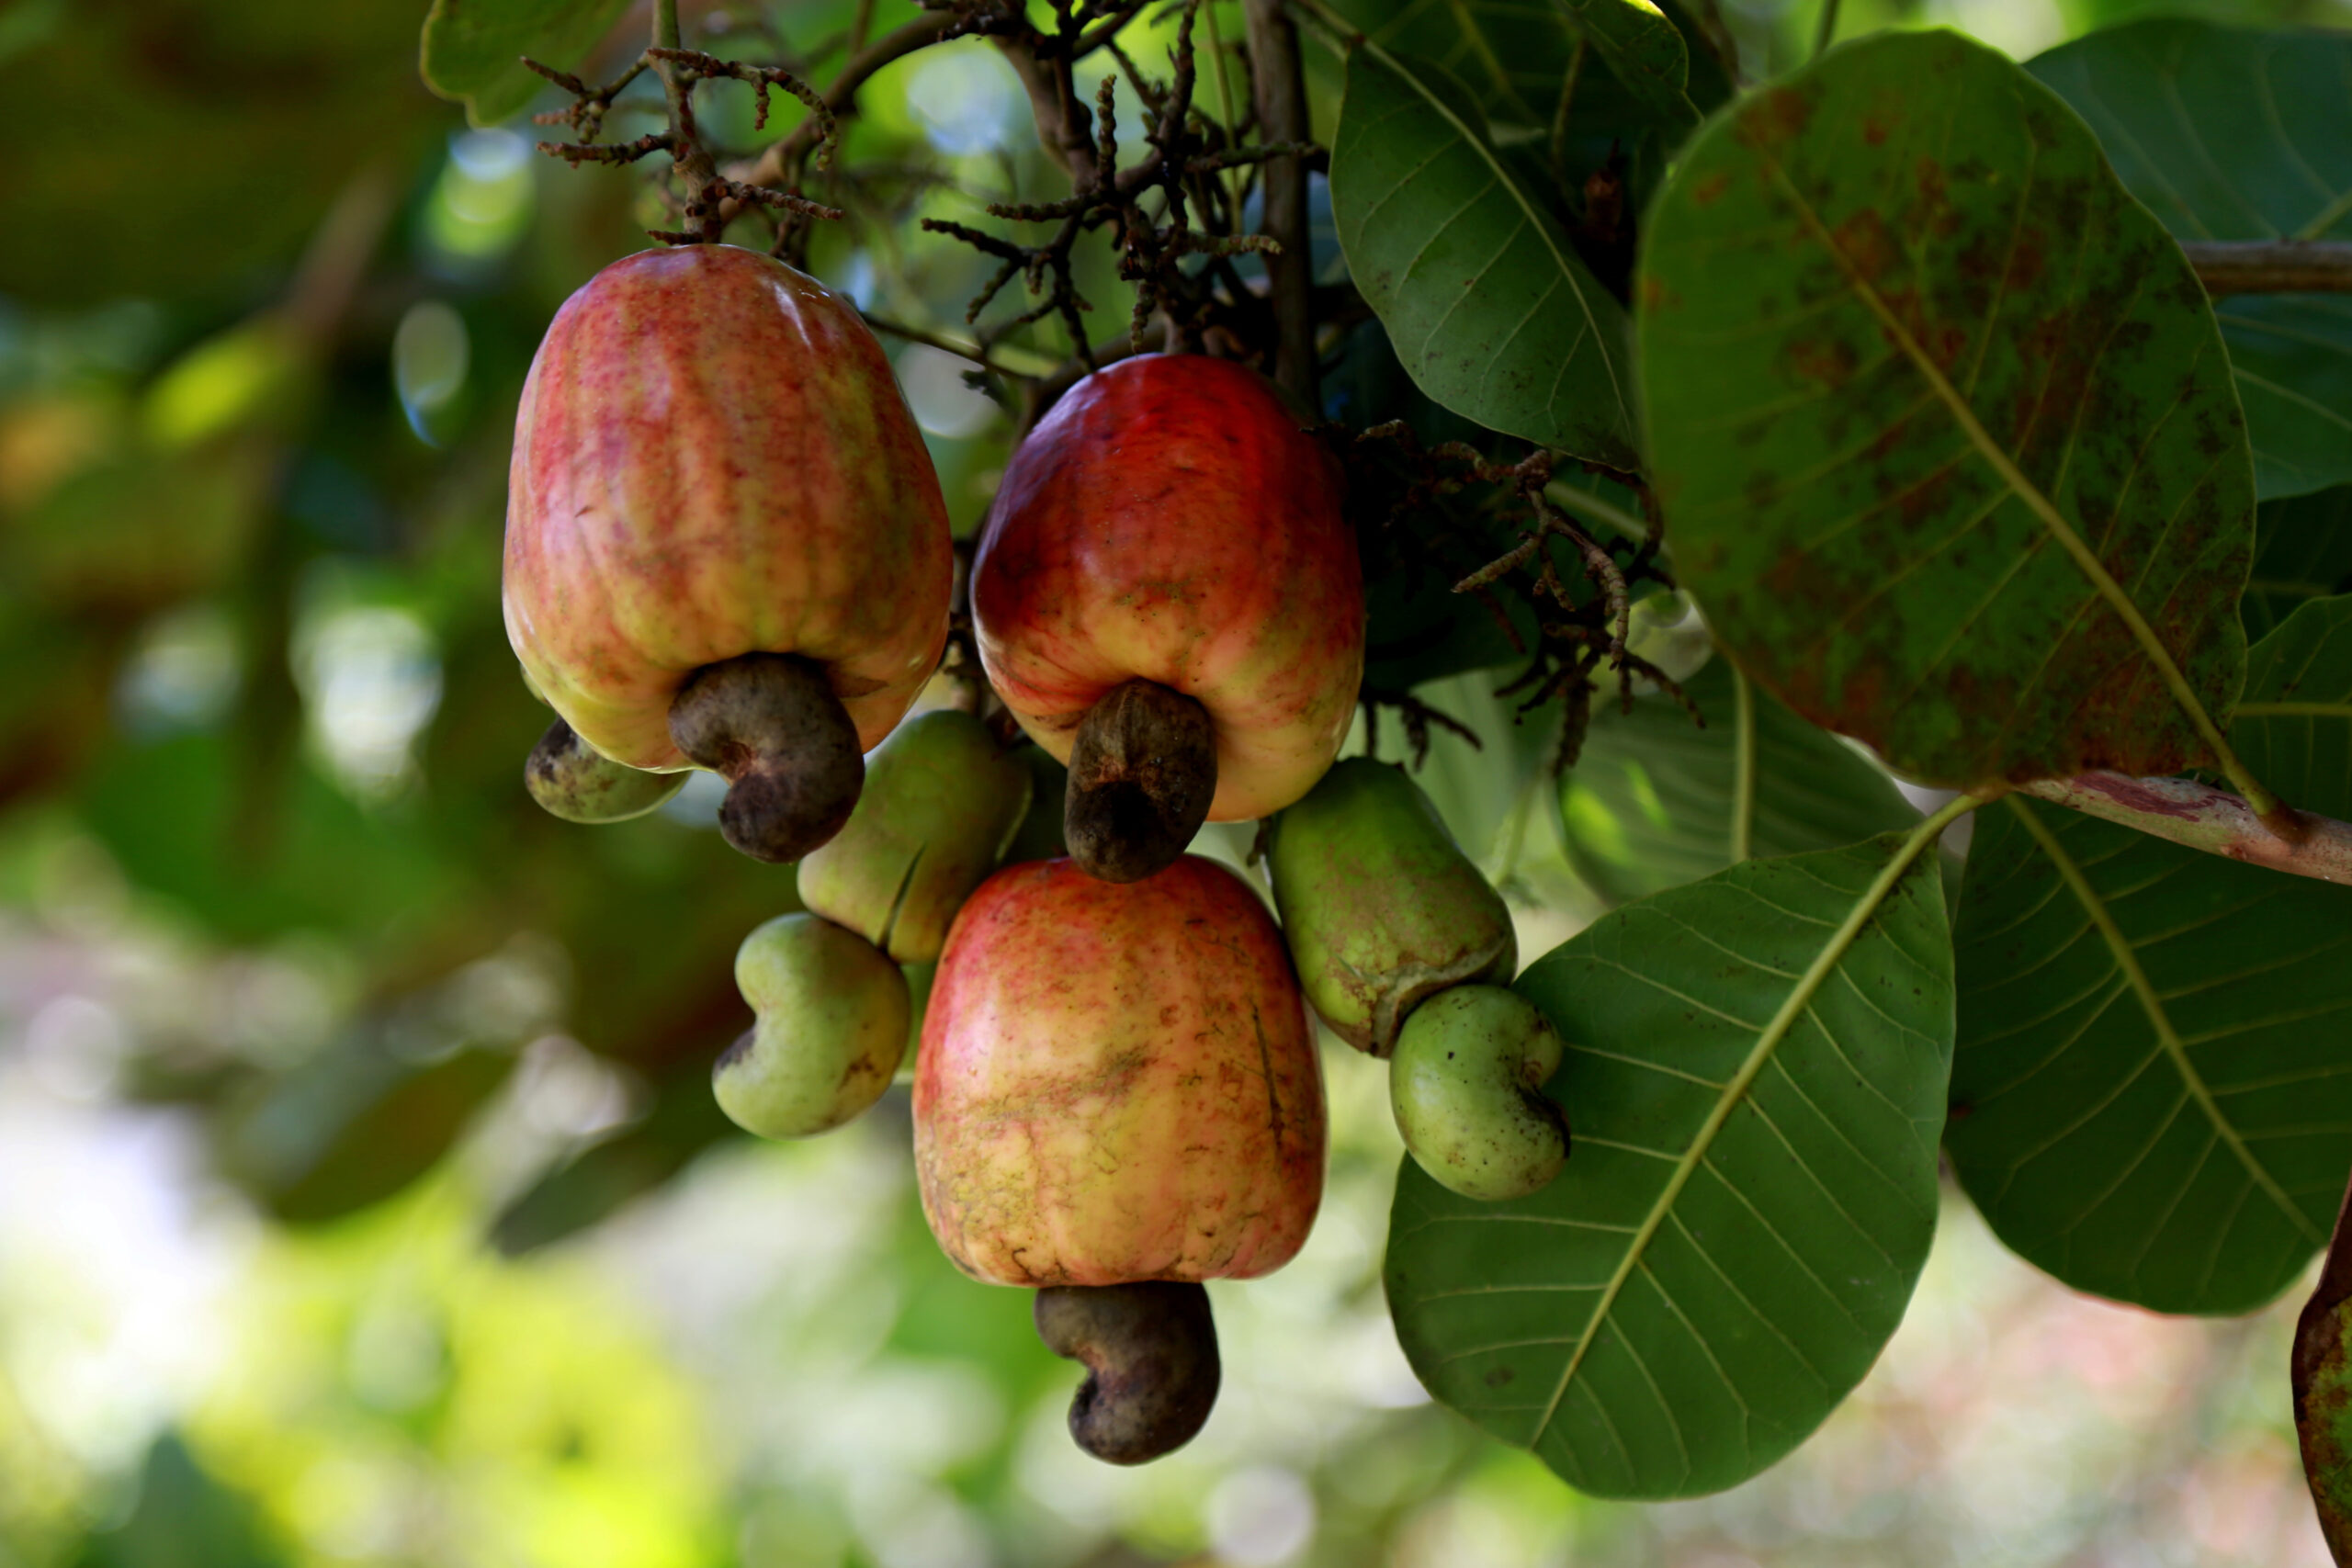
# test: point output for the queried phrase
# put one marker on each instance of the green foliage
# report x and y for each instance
(1491, 307)
(1946, 443)
(1655, 801)
(273, 105)
(1753, 1075)
(2233, 134)
(1642, 50)
(2151, 1095)
(473, 48)
(2303, 551)
(1946, 431)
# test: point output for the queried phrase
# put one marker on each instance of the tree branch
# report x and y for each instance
(1278, 88)
(2272, 266)
(774, 166)
(2203, 817)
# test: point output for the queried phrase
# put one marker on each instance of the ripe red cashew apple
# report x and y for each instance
(725, 544)
(1117, 1097)
(1168, 597)
(1117, 1082)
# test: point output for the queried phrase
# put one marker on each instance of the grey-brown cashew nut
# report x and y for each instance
(1151, 1364)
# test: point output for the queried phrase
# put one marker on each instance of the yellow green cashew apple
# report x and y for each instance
(941, 800)
(569, 780)
(725, 546)
(1380, 908)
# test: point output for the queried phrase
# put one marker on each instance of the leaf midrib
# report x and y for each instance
(2085, 560)
(1734, 1091)
(1535, 220)
(2127, 962)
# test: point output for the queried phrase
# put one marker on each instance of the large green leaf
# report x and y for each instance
(1755, 1077)
(2153, 1093)
(2231, 134)
(1642, 51)
(2295, 726)
(473, 48)
(1490, 308)
(1516, 54)
(1655, 801)
(1945, 434)
(2303, 551)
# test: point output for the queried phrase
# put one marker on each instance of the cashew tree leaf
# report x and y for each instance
(1943, 429)
(1755, 1077)
(2228, 133)
(1654, 801)
(1642, 66)
(1642, 51)
(2303, 551)
(473, 48)
(1489, 307)
(2151, 1099)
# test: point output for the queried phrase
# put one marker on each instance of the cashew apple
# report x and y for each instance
(1467, 1085)
(1117, 1082)
(569, 780)
(1380, 908)
(941, 800)
(725, 543)
(1168, 597)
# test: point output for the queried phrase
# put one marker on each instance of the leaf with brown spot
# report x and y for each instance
(2152, 1039)
(2231, 134)
(1947, 440)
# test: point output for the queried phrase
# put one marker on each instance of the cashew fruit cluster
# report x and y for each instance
(726, 550)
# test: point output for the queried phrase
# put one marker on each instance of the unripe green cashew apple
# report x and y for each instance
(1117, 1082)
(1467, 1085)
(1379, 906)
(832, 1026)
(725, 544)
(1168, 599)
(941, 800)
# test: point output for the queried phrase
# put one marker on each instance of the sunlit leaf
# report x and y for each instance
(2152, 1097)
(1944, 431)
(1642, 51)
(2233, 134)
(1655, 801)
(473, 48)
(1754, 1080)
(1489, 307)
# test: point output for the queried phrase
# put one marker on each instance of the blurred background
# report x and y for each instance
(362, 1199)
